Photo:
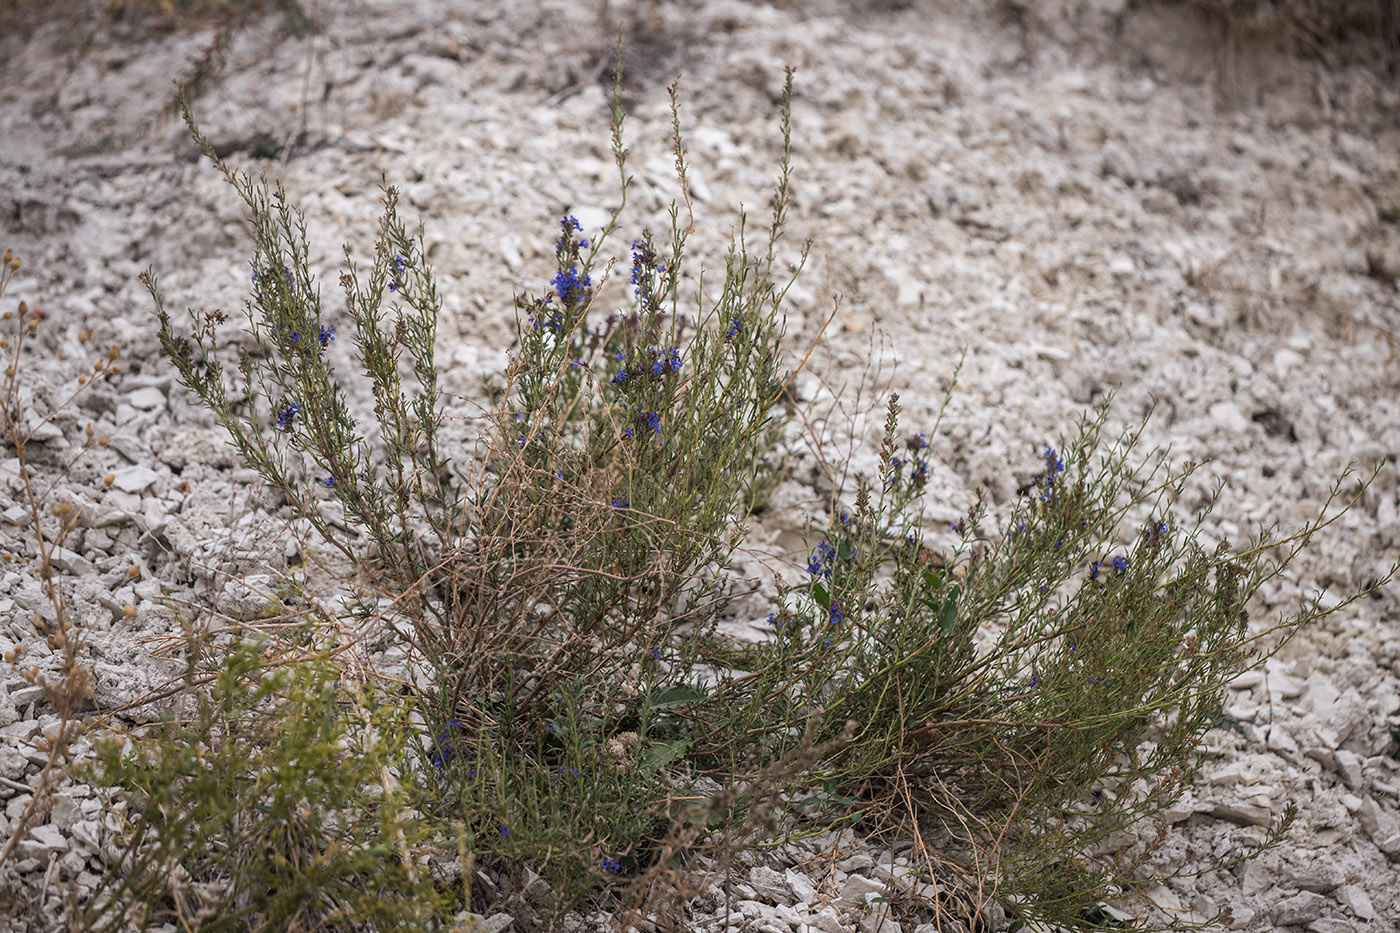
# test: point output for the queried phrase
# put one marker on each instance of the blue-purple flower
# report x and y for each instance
(819, 564)
(1054, 466)
(288, 416)
(569, 284)
(445, 752)
(400, 264)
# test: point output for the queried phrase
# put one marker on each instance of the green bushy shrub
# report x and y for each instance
(272, 805)
(1010, 705)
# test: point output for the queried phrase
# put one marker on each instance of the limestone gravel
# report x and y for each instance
(1089, 194)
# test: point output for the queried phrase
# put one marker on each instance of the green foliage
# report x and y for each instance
(1015, 706)
(272, 806)
(546, 588)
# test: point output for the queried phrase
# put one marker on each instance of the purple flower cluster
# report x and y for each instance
(1119, 565)
(293, 341)
(650, 420)
(445, 751)
(570, 226)
(288, 415)
(663, 362)
(554, 322)
(646, 275)
(571, 285)
(400, 264)
(1054, 466)
(918, 473)
(819, 564)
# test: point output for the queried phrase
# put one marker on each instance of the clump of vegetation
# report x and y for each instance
(1009, 705)
(270, 805)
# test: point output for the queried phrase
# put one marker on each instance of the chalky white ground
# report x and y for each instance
(1084, 197)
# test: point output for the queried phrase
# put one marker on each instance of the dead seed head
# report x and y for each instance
(129, 611)
(110, 478)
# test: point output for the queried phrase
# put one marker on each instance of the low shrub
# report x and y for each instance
(270, 805)
(1013, 706)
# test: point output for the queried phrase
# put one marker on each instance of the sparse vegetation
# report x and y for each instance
(574, 731)
(1010, 705)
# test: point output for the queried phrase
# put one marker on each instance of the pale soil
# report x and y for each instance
(1082, 195)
